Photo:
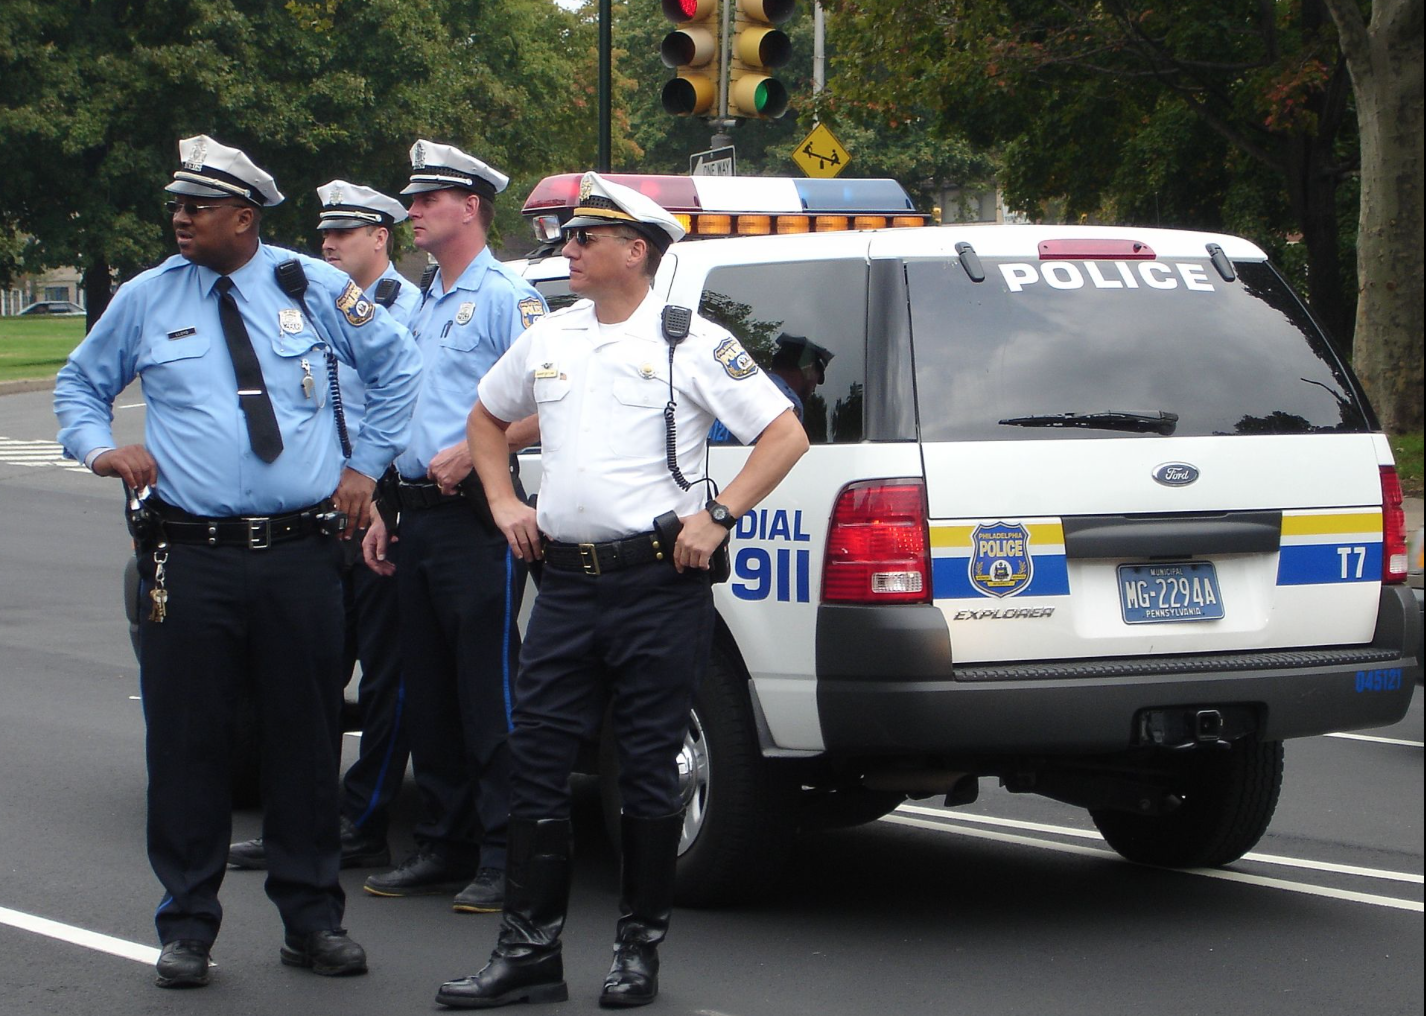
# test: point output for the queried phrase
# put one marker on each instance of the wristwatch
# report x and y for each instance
(722, 515)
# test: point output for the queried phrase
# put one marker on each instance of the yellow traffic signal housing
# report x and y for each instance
(759, 47)
(693, 49)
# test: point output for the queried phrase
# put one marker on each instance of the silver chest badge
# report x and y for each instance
(1175, 474)
(646, 371)
(465, 313)
(290, 320)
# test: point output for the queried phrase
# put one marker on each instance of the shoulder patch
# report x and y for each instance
(735, 359)
(354, 305)
(531, 310)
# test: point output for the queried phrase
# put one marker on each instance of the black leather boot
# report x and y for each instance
(526, 965)
(645, 905)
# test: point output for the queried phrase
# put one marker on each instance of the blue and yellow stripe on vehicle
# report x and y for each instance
(1324, 547)
(952, 550)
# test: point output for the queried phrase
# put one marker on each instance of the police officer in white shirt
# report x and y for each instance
(625, 608)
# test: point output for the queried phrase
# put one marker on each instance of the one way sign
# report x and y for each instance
(820, 154)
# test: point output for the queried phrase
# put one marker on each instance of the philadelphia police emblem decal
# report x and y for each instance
(1001, 564)
(735, 360)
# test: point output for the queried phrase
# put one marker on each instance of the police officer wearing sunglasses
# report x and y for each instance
(238, 547)
(625, 608)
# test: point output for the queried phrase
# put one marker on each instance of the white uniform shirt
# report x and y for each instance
(601, 393)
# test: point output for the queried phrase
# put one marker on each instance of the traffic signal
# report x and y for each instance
(692, 47)
(758, 48)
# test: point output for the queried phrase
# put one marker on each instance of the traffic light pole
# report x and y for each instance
(604, 89)
(723, 123)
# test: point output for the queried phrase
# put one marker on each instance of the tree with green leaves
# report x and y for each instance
(1206, 113)
(95, 93)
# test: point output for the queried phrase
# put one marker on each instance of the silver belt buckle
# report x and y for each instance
(259, 533)
(589, 559)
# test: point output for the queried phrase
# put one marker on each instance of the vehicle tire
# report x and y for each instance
(1228, 800)
(845, 807)
(738, 824)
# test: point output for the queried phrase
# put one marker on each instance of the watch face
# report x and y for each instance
(721, 515)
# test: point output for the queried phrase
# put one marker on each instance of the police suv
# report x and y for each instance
(1098, 512)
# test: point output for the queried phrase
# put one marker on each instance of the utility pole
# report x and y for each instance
(605, 43)
(723, 124)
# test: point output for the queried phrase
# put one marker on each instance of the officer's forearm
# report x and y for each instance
(485, 436)
(523, 433)
(778, 448)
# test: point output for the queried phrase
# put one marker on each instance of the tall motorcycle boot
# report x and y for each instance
(645, 905)
(526, 965)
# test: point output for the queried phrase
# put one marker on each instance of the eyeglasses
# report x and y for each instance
(584, 237)
(188, 208)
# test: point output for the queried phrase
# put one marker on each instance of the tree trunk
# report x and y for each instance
(1386, 66)
(97, 288)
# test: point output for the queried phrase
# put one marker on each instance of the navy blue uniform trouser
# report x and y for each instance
(266, 624)
(638, 639)
(460, 591)
(372, 782)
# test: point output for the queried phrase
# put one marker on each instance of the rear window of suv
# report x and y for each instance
(1078, 349)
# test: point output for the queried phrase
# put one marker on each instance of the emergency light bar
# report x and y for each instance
(709, 206)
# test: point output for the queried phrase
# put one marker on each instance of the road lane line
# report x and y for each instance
(79, 936)
(1089, 834)
(1391, 902)
(1377, 740)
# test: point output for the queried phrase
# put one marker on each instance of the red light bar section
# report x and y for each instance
(675, 193)
(1095, 250)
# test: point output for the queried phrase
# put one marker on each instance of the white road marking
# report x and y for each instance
(1377, 740)
(1090, 834)
(79, 936)
(14, 452)
(1227, 876)
(132, 405)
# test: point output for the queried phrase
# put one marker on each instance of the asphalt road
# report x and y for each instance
(1013, 905)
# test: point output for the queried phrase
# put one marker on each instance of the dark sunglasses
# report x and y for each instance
(584, 237)
(189, 209)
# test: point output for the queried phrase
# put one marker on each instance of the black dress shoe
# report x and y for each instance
(363, 849)
(182, 964)
(329, 953)
(249, 855)
(421, 874)
(634, 978)
(486, 895)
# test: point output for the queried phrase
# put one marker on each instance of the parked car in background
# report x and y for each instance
(53, 308)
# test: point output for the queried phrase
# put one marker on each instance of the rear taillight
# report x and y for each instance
(878, 547)
(1393, 528)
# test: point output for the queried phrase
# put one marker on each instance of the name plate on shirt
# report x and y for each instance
(183, 333)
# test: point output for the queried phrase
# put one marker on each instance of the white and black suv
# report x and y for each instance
(1097, 512)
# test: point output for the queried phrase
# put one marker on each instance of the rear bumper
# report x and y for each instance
(886, 683)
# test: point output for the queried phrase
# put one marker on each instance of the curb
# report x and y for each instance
(32, 385)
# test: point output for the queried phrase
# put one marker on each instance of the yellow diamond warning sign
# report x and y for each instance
(820, 154)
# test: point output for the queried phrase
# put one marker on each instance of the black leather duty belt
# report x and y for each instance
(406, 496)
(598, 558)
(257, 532)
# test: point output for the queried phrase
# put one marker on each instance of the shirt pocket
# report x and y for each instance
(459, 364)
(550, 393)
(636, 422)
(300, 356)
(178, 372)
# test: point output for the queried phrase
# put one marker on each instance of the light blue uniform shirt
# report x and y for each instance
(461, 333)
(163, 328)
(353, 391)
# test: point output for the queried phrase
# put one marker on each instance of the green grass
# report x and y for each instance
(1407, 449)
(36, 347)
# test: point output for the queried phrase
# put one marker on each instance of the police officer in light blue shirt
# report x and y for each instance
(460, 588)
(357, 225)
(242, 451)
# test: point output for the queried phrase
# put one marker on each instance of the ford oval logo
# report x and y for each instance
(1176, 474)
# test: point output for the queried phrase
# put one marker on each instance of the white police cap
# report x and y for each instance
(438, 167)
(349, 205)
(606, 203)
(213, 170)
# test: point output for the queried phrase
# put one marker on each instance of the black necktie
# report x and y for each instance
(263, 431)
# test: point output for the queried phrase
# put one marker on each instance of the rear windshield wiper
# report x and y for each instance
(1160, 422)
